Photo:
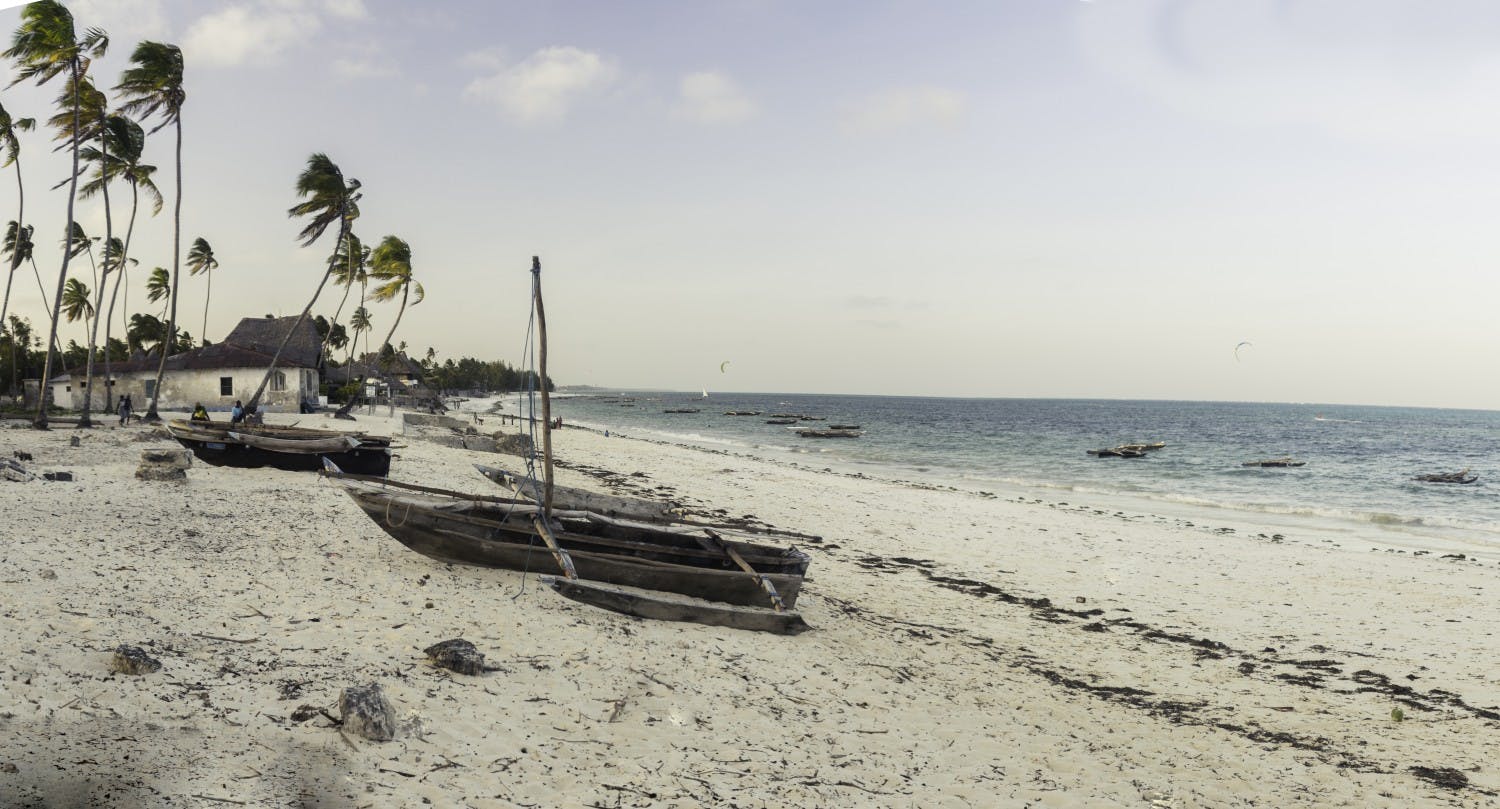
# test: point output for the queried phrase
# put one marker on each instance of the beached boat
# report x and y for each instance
(829, 433)
(508, 533)
(1448, 477)
(1275, 463)
(664, 607)
(565, 497)
(290, 448)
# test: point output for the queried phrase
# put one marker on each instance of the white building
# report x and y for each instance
(215, 376)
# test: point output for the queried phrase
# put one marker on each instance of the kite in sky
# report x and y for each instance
(1240, 346)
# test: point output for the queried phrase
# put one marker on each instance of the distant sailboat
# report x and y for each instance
(705, 393)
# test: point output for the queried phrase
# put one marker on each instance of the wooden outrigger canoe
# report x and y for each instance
(667, 607)
(503, 533)
(302, 450)
(1447, 477)
(1275, 463)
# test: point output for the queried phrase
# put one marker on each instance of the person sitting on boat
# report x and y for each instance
(200, 413)
(237, 413)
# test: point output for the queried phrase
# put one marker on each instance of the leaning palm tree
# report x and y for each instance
(153, 85)
(200, 259)
(76, 303)
(391, 266)
(45, 47)
(327, 198)
(119, 158)
(12, 153)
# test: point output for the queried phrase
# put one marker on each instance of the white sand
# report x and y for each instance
(928, 680)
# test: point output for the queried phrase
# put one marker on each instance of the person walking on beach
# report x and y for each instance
(120, 409)
(125, 411)
(237, 414)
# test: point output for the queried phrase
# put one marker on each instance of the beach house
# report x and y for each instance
(215, 375)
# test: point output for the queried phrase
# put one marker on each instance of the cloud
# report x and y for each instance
(260, 31)
(902, 107)
(126, 20)
(544, 86)
(360, 67)
(1384, 70)
(710, 97)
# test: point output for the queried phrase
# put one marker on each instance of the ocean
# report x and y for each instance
(1360, 461)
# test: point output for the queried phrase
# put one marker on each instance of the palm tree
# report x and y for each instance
(12, 150)
(391, 265)
(144, 329)
(360, 322)
(76, 303)
(45, 47)
(119, 158)
(350, 258)
(201, 259)
(154, 86)
(327, 198)
(159, 287)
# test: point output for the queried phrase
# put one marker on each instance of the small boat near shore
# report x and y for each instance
(781, 421)
(682, 410)
(1462, 476)
(742, 412)
(297, 449)
(829, 433)
(1127, 450)
(1271, 463)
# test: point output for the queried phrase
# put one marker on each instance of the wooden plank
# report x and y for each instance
(714, 540)
(563, 560)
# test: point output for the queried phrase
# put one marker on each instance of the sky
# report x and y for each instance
(1001, 198)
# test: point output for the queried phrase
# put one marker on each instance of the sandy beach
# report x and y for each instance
(970, 649)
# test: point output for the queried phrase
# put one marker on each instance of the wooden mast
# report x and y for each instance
(541, 325)
(542, 520)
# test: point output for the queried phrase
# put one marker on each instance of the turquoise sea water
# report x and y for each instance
(1360, 460)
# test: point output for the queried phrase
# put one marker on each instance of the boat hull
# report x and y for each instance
(674, 563)
(644, 604)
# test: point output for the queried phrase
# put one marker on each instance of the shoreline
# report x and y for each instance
(966, 651)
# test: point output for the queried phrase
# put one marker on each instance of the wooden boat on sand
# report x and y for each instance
(510, 533)
(290, 448)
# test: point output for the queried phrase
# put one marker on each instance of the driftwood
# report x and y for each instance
(133, 660)
(457, 655)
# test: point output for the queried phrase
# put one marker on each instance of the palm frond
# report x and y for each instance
(43, 46)
(153, 83)
(75, 302)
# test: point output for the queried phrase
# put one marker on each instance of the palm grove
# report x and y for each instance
(105, 133)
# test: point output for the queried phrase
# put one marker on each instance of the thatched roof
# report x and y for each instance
(251, 345)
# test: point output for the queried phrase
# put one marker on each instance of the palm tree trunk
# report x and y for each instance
(254, 402)
(204, 334)
(109, 232)
(40, 422)
(161, 369)
(336, 314)
(15, 259)
(124, 259)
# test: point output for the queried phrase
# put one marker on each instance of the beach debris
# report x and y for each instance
(457, 655)
(366, 712)
(75, 441)
(58, 476)
(164, 464)
(22, 456)
(133, 660)
(1397, 714)
(1445, 777)
(10, 470)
